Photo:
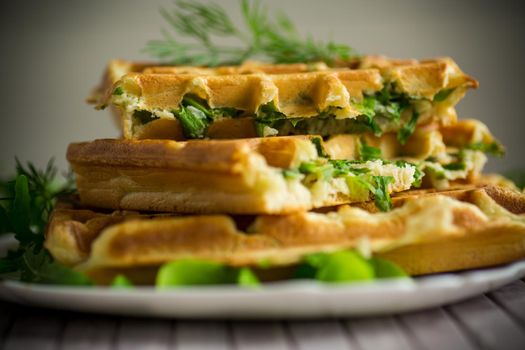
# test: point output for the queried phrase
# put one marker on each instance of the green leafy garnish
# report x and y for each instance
(346, 266)
(246, 278)
(211, 113)
(368, 152)
(118, 91)
(357, 176)
(358, 187)
(196, 116)
(143, 117)
(408, 128)
(121, 282)
(193, 121)
(383, 104)
(459, 165)
(317, 141)
(264, 36)
(379, 187)
(493, 148)
(191, 272)
(442, 95)
(267, 115)
(200, 272)
(386, 269)
(27, 201)
(292, 174)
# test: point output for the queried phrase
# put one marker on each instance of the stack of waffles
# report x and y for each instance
(258, 166)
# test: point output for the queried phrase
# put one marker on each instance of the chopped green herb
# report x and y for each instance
(292, 174)
(194, 122)
(383, 104)
(317, 141)
(408, 128)
(493, 148)
(211, 113)
(368, 152)
(442, 95)
(367, 107)
(118, 91)
(191, 101)
(358, 188)
(295, 121)
(143, 117)
(379, 187)
(323, 171)
(460, 165)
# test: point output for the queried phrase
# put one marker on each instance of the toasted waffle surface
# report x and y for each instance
(246, 176)
(468, 219)
(295, 91)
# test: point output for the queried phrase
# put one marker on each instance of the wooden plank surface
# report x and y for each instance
(379, 333)
(488, 325)
(492, 321)
(312, 335)
(6, 320)
(34, 328)
(435, 330)
(88, 332)
(512, 299)
(203, 335)
(258, 335)
(144, 334)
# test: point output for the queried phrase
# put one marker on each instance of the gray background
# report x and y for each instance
(54, 52)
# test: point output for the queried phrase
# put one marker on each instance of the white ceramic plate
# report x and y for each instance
(291, 299)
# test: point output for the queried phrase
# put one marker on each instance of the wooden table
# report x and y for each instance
(493, 321)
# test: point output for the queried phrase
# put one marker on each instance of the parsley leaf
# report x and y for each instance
(118, 91)
(379, 187)
(317, 141)
(193, 121)
(442, 95)
(408, 128)
(368, 152)
(493, 148)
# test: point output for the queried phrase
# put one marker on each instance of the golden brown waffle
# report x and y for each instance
(117, 68)
(248, 176)
(229, 176)
(463, 228)
(293, 90)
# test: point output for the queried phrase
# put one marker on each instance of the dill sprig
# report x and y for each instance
(274, 38)
(25, 205)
